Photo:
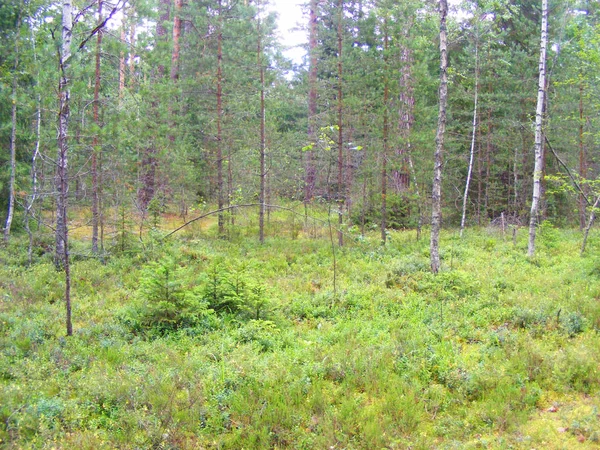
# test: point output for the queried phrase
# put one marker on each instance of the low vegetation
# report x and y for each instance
(197, 342)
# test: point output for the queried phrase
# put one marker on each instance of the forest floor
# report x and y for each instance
(198, 342)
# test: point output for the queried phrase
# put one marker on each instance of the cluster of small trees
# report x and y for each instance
(172, 102)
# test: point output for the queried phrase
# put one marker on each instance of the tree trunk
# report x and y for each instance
(582, 161)
(61, 178)
(122, 65)
(220, 196)
(310, 171)
(176, 41)
(436, 194)
(386, 94)
(263, 171)
(488, 163)
(589, 224)
(34, 192)
(149, 161)
(537, 172)
(474, 133)
(13, 139)
(401, 177)
(340, 190)
(132, 47)
(95, 144)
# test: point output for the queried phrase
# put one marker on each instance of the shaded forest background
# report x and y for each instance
(168, 99)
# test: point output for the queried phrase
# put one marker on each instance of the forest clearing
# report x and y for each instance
(218, 236)
(196, 342)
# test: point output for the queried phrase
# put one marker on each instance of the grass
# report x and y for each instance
(497, 351)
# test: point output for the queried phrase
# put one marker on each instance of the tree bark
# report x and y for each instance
(176, 41)
(340, 190)
(220, 196)
(34, 191)
(132, 47)
(95, 144)
(263, 171)
(13, 139)
(582, 160)
(384, 176)
(589, 225)
(537, 172)
(122, 63)
(310, 171)
(401, 177)
(61, 178)
(436, 194)
(474, 134)
(149, 161)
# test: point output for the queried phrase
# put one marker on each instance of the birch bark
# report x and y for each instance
(538, 167)
(436, 194)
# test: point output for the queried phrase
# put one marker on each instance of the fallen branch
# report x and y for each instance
(250, 205)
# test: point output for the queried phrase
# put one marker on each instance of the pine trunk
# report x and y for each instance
(176, 41)
(340, 190)
(220, 193)
(95, 144)
(263, 171)
(384, 176)
(401, 176)
(310, 172)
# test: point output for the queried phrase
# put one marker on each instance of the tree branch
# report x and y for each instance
(100, 26)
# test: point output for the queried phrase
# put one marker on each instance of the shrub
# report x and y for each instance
(166, 304)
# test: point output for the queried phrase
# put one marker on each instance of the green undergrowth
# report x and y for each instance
(197, 342)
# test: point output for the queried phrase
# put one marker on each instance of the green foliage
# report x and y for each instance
(401, 211)
(165, 302)
(396, 357)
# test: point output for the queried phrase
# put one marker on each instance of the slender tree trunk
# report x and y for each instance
(407, 101)
(488, 163)
(34, 191)
(310, 171)
(13, 139)
(479, 176)
(122, 65)
(220, 199)
(36, 151)
(401, 177)
(384, 176)
(436, 194)
(131, 47)
(149, 161)
(176, 41)
(263, 171)
(95, 144)
(582, 160)
(589, 224)
(174, 75)
(537, 172)
(341, 190)
(61, 177)
(474, 134)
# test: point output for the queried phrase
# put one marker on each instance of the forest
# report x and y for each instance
(387, 242)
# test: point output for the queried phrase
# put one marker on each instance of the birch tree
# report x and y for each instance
(473, 131)
(538, 167)
(436, 194)
(13, 137)
(61, 178)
